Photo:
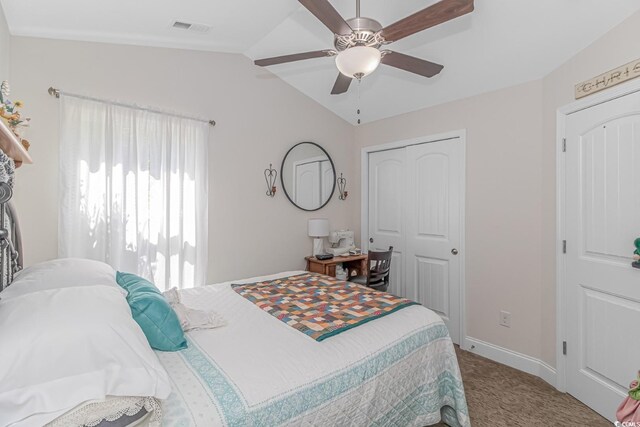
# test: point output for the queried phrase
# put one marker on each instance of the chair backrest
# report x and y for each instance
(379, 267)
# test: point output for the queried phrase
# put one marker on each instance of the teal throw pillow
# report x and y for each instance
(153, 313)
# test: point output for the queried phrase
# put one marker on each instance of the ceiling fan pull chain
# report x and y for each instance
(358, 101)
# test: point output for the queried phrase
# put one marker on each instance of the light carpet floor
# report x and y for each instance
(500, 396)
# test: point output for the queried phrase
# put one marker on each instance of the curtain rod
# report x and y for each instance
(56, 92)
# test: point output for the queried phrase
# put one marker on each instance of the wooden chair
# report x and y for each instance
(379, 266)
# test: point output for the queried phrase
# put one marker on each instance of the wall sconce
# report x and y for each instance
(270, 176)
(342, 185)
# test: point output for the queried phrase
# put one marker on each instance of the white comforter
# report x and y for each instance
(257, 371)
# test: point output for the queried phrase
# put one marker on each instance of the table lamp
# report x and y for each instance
(318, 228)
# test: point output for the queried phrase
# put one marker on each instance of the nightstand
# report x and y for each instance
(357, 263)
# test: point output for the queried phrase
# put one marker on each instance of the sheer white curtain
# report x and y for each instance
(133, 190)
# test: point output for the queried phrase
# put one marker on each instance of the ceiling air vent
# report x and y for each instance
(190, 26)
(181, 25)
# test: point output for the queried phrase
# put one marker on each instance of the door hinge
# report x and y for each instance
(564, 145)
(564, 348)
(564, 246)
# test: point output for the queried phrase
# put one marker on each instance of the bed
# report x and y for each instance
(396, 370)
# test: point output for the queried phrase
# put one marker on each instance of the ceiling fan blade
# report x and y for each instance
(330, 17)
(411, 64)
(433, 15)
(341, 85)
(291, 58)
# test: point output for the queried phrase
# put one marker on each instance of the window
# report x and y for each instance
(133, 190)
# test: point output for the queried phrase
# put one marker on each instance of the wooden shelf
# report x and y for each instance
(12, 146)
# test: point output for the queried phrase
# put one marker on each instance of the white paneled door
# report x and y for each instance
(433, 228)
(602, 220)
(415, 205)
(387, 184)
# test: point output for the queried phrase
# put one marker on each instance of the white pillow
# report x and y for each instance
(63, 347)
(62, 273)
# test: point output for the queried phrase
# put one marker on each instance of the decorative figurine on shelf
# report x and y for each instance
(629, 410)
(636, 254)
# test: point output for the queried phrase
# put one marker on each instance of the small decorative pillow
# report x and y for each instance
(153, 313)
(192, 319)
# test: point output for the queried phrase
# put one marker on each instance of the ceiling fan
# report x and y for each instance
(358, 41)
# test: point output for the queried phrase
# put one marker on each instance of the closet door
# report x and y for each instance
(386, 212)
(432, 228)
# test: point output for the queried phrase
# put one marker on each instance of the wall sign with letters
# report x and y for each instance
(609, 79)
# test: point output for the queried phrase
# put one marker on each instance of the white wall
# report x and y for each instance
(5, 47)
(502, 205)
(259, 118)
(511, 191)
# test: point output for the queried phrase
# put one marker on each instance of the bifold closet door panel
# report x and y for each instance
(432, 228)
(387, 182)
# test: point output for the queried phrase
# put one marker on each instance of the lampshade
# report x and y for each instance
(358, 61)
(318, 227)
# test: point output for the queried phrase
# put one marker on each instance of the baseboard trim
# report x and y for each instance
(511, 358)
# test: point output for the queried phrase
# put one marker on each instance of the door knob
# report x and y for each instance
(370, 239)
(454, 251)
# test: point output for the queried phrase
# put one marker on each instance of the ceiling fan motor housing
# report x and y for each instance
(365, 33)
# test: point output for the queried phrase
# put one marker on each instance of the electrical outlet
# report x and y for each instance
(505, 319)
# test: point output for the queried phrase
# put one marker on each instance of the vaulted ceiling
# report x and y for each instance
(502, 43)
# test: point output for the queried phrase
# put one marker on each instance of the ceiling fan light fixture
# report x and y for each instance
(358, 61)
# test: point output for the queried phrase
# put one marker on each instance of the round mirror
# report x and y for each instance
(308, 176)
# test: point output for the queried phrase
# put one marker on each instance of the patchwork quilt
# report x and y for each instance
(320, 306)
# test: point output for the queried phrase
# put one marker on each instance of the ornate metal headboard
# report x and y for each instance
(10, 238)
